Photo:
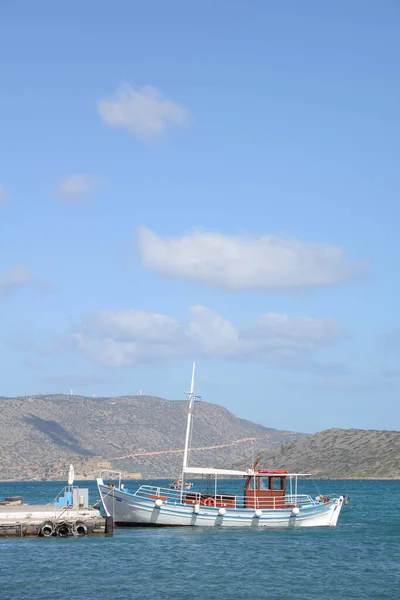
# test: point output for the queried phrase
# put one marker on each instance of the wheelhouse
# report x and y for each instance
(267, 488)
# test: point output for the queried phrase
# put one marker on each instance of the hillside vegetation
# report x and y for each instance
(340, 454)
(41, 435)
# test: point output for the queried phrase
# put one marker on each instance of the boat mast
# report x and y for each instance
(188, 428)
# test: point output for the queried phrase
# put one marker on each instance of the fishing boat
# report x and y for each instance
(269, 497)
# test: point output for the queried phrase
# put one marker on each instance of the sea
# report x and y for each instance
(360, 558)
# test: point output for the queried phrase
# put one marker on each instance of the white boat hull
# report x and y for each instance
(128, 509)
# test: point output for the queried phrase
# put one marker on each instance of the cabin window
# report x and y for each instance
(277, 483)
(253, 481)
(264, 483)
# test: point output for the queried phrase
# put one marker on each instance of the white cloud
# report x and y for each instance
(3, 195)
(125, 325)
(76, 188)
(212, 334)
(13, 279)
(239, 262)
(302, 333)
(18, 277)
(131, 337)
(142, 112)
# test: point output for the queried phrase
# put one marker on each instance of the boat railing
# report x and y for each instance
(191, 497)
(166, 494)
(299, 499)
(64, 498)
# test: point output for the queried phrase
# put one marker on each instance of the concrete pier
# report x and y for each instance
(68, 515)
(46, 520)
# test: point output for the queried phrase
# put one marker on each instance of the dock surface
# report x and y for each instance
(48, 520)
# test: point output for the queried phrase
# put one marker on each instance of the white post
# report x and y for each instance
(188, 428)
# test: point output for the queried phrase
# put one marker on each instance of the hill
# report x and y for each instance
(339, 454)
(41, 435)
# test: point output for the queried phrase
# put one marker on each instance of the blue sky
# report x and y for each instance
(214, 181)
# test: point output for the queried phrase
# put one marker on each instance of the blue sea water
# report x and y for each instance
(359, 559)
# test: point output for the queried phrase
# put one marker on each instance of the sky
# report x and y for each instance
(208, 181)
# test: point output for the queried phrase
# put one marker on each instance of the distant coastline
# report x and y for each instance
(80, 479)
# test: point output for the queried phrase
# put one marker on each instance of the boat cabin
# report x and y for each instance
(263, 489)
(266, 489)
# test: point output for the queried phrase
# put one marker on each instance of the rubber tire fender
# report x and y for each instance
(80, 528)
(63, 530)
(47, 529)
